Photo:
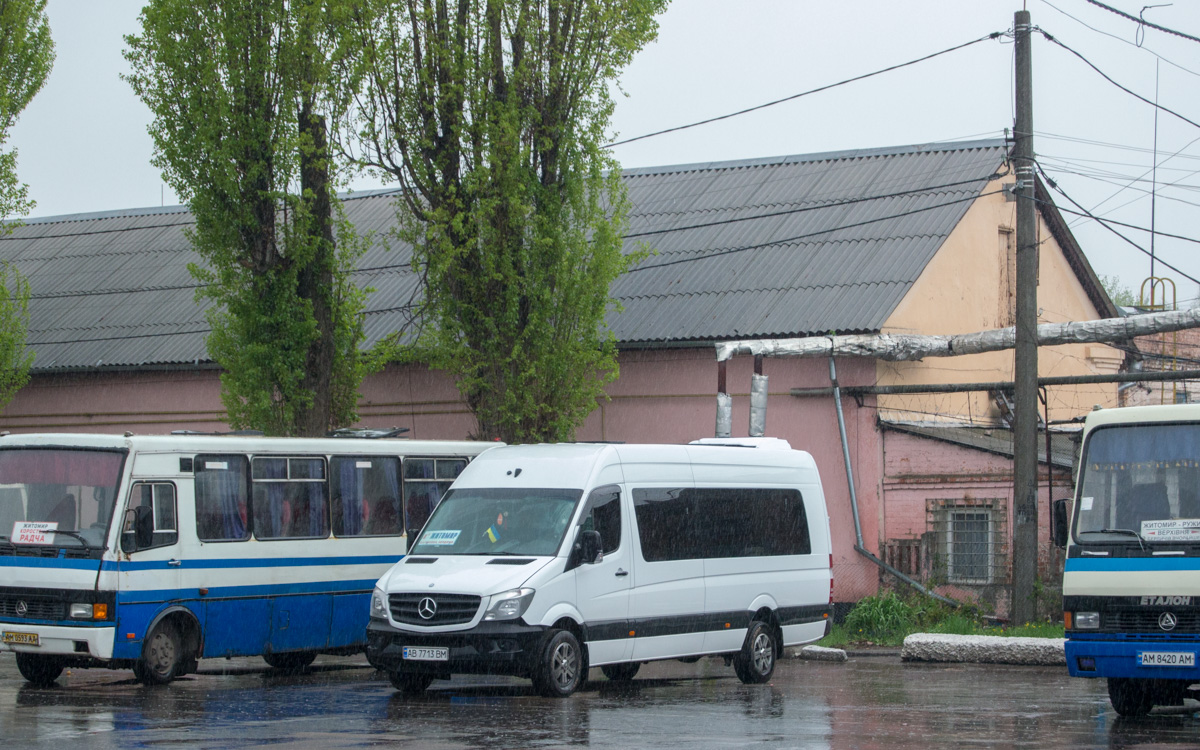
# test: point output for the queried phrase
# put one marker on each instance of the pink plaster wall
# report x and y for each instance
(666, 396)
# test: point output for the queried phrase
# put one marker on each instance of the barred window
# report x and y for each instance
(971, 541)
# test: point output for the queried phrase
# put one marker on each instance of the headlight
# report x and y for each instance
(378, 605)
(509, 605)
(1087, 620)
(81, 611)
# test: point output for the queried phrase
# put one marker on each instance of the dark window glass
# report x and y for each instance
(425, 481)
(604, 515)
(665, 528)
(366, 496)
(222, 492)
(682, 524)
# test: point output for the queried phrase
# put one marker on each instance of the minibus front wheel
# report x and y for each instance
(40, 670)
(560, 669)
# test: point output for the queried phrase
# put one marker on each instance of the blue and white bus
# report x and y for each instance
(151, 552)
(1131, 581)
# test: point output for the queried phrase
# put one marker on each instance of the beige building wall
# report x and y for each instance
(969, 286)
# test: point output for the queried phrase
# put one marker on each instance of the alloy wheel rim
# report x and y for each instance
(562, 666)
(763, 653)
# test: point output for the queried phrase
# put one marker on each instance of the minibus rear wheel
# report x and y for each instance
(38, 669)
(560, 668)
(755, 663)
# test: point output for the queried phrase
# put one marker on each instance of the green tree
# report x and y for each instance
(492, 116)
(26, 57)
(1120, 294)
(238, 91)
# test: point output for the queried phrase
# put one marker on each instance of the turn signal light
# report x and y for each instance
(99, 611)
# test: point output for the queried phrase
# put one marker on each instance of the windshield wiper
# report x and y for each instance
(1127, 532)
(80, 537)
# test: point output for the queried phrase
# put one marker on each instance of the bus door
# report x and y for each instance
(149, 562)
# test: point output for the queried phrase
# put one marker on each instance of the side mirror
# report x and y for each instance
(138, 529)
(1059, 523)
(586, 550)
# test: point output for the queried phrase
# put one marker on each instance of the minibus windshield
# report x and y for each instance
(498, 522)
(1140, 484)
(43, 491)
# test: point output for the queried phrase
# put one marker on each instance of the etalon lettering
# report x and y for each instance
(1165, 601)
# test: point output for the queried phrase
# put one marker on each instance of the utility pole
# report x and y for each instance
(1025, 406)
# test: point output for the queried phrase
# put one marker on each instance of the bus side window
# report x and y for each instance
(425, 481)
(160, 499)
(366, 496)
(604, 515)
(222, 489)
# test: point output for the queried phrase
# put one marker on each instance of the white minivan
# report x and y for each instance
(544, 560)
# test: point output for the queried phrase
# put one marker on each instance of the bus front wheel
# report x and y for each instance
(293, 661)
(162, 656)
(38, 669)
(1130, 697)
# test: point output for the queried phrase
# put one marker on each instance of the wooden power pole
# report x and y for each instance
(1025, 407)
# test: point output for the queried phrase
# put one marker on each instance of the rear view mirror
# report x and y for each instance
(1059, 523)
(586, 550)
(138, 529)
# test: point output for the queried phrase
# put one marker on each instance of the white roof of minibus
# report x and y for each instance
(1134, 414)
(573, 464)
(205, 443)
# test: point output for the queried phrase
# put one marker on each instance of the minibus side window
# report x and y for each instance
(425, 481)
(222, 494)
(290, 498)
(160, 499)
(745, 522)
(604, 515)
(664, 520)
(366, 496)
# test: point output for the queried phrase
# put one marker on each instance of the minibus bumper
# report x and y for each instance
(58, 640)
(1108, 657)
(502, 648)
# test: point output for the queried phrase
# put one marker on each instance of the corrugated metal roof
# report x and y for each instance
(1064, 446)
(788, 246)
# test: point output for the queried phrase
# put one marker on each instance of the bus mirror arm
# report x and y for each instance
(1059, 522)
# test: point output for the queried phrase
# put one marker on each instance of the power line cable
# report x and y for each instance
(993, 35)
(1141, 21)
(1108, 78)
(1119, 39)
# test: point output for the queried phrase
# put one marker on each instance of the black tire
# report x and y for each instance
(162, 656)
(292, 661)
(410, 683)
(559, 670)
(40, 670)
(1130, 697)
(621, 672)
(755, 663)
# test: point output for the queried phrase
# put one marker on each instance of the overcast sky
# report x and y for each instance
(83, 143)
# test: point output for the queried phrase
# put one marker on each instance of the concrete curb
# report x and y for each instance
(821, 653)
(984, 649)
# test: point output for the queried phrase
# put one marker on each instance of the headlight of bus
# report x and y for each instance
(1086, 621)
(509, 605)
(378, 605)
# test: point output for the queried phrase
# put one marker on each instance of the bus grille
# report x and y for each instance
(35, 609)
(1147, 622)
(452, 609)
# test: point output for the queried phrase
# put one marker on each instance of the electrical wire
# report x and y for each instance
(1119, 39)
(1142, 21)
(993, 35)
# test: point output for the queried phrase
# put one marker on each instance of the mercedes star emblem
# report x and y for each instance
(427, 608)
(22, 608)
(1167, 621)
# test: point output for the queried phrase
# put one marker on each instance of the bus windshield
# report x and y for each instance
(498, 522)
(59, 490)
(1141, 483)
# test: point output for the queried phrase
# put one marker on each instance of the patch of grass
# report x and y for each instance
(887, 618)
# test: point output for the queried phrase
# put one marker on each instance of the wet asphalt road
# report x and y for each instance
(868, 702)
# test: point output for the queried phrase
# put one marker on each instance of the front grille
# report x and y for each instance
(1140, 621)
(452, 609)
(36, 608)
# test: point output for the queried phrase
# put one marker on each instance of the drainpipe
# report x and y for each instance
(758, 399)
(858, 545)
(724, 405)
